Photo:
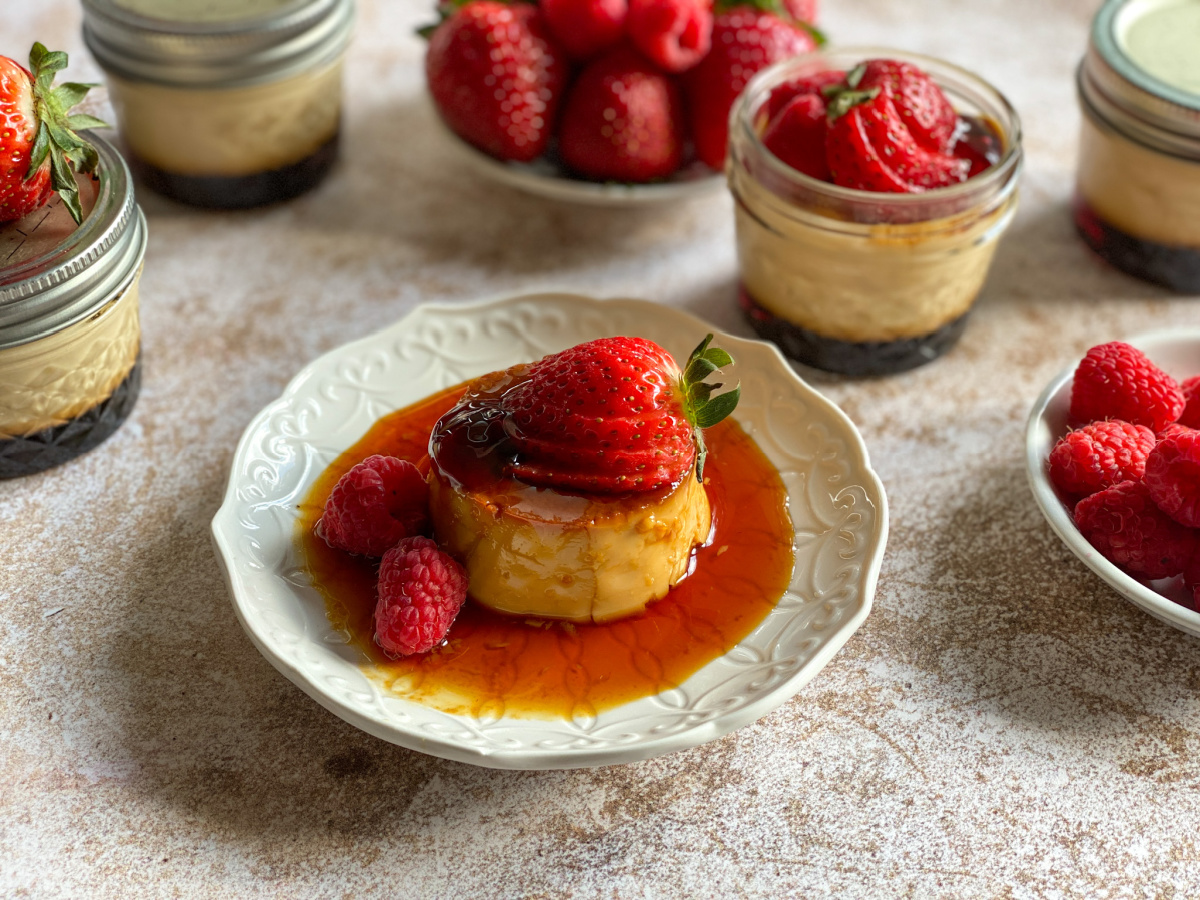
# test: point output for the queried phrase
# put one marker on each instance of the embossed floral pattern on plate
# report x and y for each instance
(837, 504)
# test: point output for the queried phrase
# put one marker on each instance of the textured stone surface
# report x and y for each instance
(1002, 726)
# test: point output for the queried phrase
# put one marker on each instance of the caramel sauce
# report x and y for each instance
(493, 665)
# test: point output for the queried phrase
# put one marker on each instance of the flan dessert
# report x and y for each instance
(573, 489)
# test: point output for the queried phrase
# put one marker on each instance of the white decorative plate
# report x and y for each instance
(1177, 353)
(837, 505)
(545, 179)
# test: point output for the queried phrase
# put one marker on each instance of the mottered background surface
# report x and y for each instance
(1003, 725)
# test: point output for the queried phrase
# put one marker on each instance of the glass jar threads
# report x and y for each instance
(69, 328)
(224, 103)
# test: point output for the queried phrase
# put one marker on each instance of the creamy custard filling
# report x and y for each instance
(49, 382)
(892, 283)
(230, 132)
(1142, 192)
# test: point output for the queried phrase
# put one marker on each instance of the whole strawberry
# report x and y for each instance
(622, 120)
(585, 27)
(745, 40)
(39, 146)
(615, 415)
(496, 76)
(1117, 381)
(421, 589)
(869, 147)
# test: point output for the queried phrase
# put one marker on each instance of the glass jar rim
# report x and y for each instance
(744, 110)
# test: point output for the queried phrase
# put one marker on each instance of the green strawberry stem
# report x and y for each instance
(703, 409)
(841, 98)
(56, 137)
(778, 10)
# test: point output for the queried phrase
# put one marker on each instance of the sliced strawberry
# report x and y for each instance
(614, 415)
(745, 40)
(923, 107)
(622, 120)
(797, 136)
(586, 27)
(673, 34)
(806, 84)
(38, 144)
(869, 147)
(496, 76)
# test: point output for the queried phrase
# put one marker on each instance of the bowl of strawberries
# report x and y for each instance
(612, 102)
(1113, 459)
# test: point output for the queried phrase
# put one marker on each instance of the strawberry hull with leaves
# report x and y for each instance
(38, 142)
(607, 90)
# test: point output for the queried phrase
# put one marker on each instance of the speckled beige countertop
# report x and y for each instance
(1003, 725)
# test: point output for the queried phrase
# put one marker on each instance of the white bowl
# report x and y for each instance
(544, 179)
(1177, 352)
(836, 501)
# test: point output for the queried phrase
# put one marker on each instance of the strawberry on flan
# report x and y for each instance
(572, 488)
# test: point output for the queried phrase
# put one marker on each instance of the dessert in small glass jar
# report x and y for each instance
(1137, 201)
(872, 187)
(69, 332)
(224, 103)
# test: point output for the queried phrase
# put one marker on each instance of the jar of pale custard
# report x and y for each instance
(857, 281)
(69, 334)
(1137, 201)
(224, 103)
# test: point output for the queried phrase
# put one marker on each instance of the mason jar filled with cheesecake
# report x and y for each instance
(224, 103)
(69, 329)
(1137, 199)
(872, 187)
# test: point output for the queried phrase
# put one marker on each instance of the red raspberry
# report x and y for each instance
(673, 34)
(375, 504)
(421, 590)
(1173, 477)
(1123, 523)
(1173, 429)
(1117, 381)
(585, 27)
(1100, 455)
(1191, 396)
(1191, 578)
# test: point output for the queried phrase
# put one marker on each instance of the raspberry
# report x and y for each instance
(375, 504)
(673, 34)
(1123, 523)
(1191, 579)
(1173, 429)
(1173, 477)
(1191, 396)
(585, 27)
(1117, 381)
(1100, 455)
(421, 590)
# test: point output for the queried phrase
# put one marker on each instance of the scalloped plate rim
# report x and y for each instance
(1039, 439)
(704, 732)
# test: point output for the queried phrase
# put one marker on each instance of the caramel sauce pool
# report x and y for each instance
(493, 665)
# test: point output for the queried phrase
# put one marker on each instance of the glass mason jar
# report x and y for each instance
(69, 333)
(224, 103)
(859, 282)
(1137, 199)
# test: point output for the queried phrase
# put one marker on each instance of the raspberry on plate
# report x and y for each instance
(1099, 455)
(673, 34)
(1126, 526)
(374, 505)
(421, 590)
(1191, 396)
(1117, 381)
(1173, 476)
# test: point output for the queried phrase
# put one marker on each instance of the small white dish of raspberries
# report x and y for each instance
(607, 102)
(1112, 452)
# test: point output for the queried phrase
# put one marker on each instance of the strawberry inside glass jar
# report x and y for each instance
(873, 186)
